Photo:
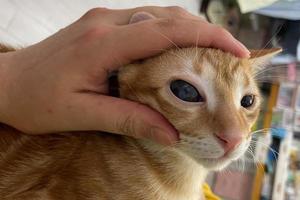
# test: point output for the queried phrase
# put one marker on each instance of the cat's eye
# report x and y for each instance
(185, 91)
(247, 101)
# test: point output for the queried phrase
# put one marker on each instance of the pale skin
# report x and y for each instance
(60, 84)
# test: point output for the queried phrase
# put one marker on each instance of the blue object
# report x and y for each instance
(278, 132)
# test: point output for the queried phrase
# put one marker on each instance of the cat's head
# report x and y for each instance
(209, 96)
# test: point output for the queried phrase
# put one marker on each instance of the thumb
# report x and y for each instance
(120, 116)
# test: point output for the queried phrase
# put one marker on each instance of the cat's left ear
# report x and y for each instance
(261, 57)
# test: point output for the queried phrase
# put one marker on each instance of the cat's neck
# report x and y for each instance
(178, 173)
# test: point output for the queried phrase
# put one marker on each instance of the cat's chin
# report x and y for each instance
(214, 158)
(214, 164)
(220, 163)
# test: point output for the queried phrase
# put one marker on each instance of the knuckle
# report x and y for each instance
(127, 126)
(132, 124)
(95, 12)
(176, 9)
(222, 31)
(167, 23)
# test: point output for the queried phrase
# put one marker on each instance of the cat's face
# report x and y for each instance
(209, 96)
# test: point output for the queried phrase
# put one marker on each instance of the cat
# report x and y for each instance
(209, 96)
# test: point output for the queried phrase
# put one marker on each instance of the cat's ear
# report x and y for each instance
(261, 57)
(140, 16)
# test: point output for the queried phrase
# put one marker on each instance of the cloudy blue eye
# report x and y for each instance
(185, 91)
(247, 101)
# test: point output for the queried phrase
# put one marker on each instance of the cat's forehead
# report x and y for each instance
(211, 63)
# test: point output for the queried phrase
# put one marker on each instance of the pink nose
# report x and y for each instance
(229, 141)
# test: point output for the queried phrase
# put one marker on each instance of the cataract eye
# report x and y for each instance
(247, 101)
(185, 91)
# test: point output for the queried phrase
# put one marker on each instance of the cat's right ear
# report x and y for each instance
(261, 57)
(140, 16)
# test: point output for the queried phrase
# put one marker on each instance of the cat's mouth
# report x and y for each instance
(221, 162)
(210, 152)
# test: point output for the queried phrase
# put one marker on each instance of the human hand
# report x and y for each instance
(60, 84)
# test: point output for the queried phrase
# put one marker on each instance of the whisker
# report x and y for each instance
(243, 163)
(275, 153)
(256, 163)
(197, 41)
(264, 130)
(275, 34)
(267, 76)
(269, 69)
(172, 53)
(164, 36)
(270, 148)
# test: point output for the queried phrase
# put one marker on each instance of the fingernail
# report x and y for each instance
(140, 16)
(163, 137)
(245, 50)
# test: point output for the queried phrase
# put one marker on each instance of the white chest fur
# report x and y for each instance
(183, 180)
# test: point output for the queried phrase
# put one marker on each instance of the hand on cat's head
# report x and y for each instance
(60, 84)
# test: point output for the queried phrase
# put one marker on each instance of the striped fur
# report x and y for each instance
(98, 165)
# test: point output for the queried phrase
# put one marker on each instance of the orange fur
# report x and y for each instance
(97, 165)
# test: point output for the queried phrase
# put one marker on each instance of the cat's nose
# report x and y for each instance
(229, 140)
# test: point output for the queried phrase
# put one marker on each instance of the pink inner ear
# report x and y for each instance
(140, 16)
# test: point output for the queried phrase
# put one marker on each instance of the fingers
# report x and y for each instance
(123, 16)
(222, 39)
(150, 37)
(172, 26)
(94, 112)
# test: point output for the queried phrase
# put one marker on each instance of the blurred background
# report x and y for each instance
(271, 169)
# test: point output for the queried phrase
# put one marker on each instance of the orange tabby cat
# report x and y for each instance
(209, 96)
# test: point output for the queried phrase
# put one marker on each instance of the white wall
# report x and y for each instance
(24, 22)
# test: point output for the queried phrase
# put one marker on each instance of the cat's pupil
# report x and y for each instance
(247, 101)
(185, 91)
